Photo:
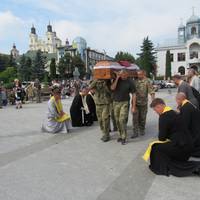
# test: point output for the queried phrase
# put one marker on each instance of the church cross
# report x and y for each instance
(193, 10)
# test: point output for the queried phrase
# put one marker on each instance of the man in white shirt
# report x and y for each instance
(194, 79)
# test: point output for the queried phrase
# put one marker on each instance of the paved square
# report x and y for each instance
(78, 166)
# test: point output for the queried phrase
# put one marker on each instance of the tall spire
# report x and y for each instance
(49, 27)
(33, 30)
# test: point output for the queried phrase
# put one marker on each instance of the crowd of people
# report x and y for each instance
(23, 92)
(110, 101)
(19, 93)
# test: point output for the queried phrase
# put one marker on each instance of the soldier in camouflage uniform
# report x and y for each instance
(143, 88)
(112, 116)
(102, 100)
(122, 87)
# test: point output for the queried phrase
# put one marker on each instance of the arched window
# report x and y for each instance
(194, 67)
(181, 70)
(193, 31)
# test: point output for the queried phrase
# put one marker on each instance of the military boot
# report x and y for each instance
(142, 131)
(135, 134)
(105, 138)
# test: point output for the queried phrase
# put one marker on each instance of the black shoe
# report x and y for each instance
(105, 139)
(123, 142)
(119, 139)
(142, 132)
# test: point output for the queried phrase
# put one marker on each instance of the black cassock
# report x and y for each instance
(171, 158)
(191, 120)
(92, 107)
(80, 118)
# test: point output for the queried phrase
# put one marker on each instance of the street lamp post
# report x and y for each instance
(104, 54)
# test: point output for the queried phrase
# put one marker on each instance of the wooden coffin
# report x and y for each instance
(107, 69)
(103, 73)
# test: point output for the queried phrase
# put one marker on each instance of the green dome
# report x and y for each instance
(193, 19)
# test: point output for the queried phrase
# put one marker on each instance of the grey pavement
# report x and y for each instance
(78, 166)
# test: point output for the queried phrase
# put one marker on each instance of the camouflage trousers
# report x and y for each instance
(103, 115)
(121, 111)
(112, 116)
(139, 118)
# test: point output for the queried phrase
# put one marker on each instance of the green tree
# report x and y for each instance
(168, 65)
(53, 69)
(38, 67)
(28, 68)
(77, 62)
(4, 62)
(12, 61)
(147, 59)
(124, 56)
(8, 75)
(25, 68)
(65, 66)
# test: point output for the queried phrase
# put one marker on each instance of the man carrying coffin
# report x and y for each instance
(122, 88)
(102, 98)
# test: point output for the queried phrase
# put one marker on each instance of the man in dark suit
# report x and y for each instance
(190, 116)
(186, 89)
(169, 155)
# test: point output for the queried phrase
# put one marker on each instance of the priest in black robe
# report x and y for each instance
(191, 120)
(80, 109)
(171, 157)
(91, 105)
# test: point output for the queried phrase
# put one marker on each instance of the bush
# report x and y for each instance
(8, 85)
(8, 75)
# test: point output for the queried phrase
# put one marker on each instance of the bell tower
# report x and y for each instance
(181, 33)
(33, 39)
(50, 39)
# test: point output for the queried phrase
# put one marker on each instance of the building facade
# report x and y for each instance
(49, 44)
(52, 47)
(79, 47)
(185, 51)
(14, 52)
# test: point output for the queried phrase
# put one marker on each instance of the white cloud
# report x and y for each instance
(105, 24)
(66, 29)
(12, 30)
(122, 34)
(9, 24)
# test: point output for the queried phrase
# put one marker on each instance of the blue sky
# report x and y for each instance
(105, 24)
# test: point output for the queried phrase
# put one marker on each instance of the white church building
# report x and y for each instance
(185, 51)
(48, 45)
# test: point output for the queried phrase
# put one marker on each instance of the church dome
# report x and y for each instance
(79, 43)
(181, 26)
(49, 28)
(193, 19)
(33, 30)
(79, 40)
